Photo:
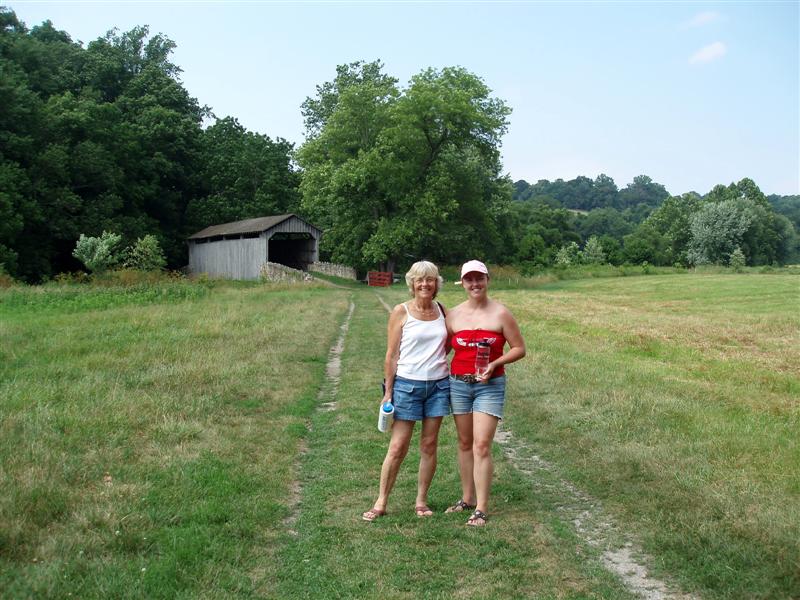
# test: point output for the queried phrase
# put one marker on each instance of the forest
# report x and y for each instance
(105, 138)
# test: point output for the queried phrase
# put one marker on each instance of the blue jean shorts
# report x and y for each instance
(416, 400)
(486, 398)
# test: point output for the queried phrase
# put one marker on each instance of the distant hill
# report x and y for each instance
(788, 206)
(586, 194)
(583, 193)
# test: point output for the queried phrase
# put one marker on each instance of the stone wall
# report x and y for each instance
(333, 269)
(274, 272)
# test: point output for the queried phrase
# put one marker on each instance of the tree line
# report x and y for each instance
(644, 223)
(106, 138)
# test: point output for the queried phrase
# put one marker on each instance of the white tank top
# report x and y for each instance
(422, 348)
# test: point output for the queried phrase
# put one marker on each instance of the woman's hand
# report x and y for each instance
(488, 374)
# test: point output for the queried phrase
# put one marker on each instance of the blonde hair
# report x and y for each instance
(422, 269)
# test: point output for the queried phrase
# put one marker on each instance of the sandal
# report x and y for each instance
(423, 511)
(459, 506)
(372, 514)
(478, 518)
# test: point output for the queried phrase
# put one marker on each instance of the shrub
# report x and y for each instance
(5, 279)
(71, 278)
(97, 253)
(593, 253)
(737, 260)
(145, 255)
(568, 255)
(131, 277)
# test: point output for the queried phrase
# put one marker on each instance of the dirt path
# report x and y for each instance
(620, 553)
(382, 301)
(334, 367)
(327, 402)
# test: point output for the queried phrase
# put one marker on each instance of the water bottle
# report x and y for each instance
(482, 358)
(385, 413)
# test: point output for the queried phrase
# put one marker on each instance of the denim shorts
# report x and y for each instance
(486, 398)
(416, 400)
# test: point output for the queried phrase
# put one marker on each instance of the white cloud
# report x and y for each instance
(700, 19)
(708, 53)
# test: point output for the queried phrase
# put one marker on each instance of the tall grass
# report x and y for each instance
(147, 449)
(675, 401)
(76, 298)
(511, 277)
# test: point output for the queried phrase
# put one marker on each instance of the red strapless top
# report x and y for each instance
(465, 343)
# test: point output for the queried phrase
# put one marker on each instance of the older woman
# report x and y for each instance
(477, 395)
(416, 382)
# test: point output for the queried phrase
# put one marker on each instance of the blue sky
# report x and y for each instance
(690, 93)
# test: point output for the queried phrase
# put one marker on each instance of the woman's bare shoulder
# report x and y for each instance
(499, 307)
(398, 313)
(458, 308)
(503, 312)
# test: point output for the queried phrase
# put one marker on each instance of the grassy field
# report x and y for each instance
(676, 400)
(149, 444)
(147, 447)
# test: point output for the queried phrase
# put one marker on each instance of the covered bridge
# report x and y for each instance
(238, 250)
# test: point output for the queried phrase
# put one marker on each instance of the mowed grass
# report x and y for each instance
(676, 402)
(526, 552)
(146, 450)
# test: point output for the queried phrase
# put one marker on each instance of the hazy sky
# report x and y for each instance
(690, 93)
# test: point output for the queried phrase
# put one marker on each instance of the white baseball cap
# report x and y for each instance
(473, 266)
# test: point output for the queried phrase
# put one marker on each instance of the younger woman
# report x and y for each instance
(477, 399)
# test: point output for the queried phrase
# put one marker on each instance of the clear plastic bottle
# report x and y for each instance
(384, 415)
(482, 358)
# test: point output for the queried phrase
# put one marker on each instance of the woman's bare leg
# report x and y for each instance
(428, 443)
(398, 448)
(483, 427)
(466, 463)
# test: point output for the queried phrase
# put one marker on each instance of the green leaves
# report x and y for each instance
(145, 255)
(395, 175)
(244, 175)
(98, 253)
(101, 138)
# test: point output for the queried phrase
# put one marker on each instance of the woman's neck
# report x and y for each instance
(423, 303)
(478, 303)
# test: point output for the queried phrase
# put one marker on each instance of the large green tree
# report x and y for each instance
(789, 206)
(604, 221)
(542, 230)
(97, 138)
(671, 222)
(394, 175)
(739, 215)
(583, 193)
(718, 229)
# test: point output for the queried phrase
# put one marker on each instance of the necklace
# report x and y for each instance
(424, 311)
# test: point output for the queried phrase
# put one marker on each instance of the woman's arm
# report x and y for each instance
(516, 350)
(447, 345)
(395, 330)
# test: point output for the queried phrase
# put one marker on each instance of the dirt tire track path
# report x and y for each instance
(326, 402)
(628, 561)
